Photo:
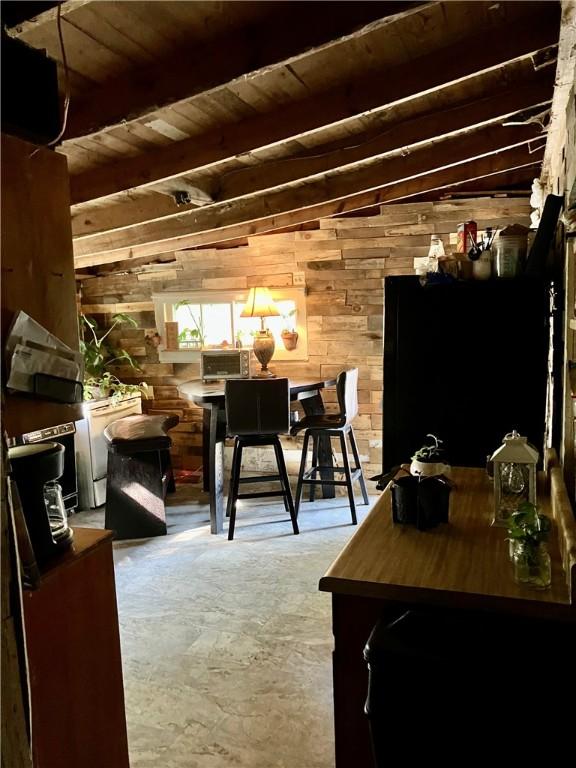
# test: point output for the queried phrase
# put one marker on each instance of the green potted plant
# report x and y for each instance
(428, 461)
(99, 355)
(528, 531)
(109, 385)
(289, 333)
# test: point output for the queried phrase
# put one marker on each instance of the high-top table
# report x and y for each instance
(210, 397)
(386, 569)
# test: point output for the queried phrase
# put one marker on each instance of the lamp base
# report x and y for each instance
(263, 347)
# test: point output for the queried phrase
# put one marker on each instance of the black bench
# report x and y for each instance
(139, 475)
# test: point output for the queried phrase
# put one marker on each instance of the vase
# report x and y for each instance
(532, 565)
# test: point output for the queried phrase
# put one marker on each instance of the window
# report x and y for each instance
(212, 320)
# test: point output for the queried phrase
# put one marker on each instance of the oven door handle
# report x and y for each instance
(111, 409)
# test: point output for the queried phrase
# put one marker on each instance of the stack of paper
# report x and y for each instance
(32, 350)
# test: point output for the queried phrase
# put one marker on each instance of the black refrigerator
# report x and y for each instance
(465, 361)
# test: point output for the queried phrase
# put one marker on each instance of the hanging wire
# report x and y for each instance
(66, 104)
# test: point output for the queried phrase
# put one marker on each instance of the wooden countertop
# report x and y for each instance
(84, 541)
(463, 563)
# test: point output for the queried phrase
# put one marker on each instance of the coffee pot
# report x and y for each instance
(36, 468)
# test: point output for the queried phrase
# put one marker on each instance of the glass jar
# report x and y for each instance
(482, 267)
(531, 565)
(512, 545)
(510, 253)
(56, 510)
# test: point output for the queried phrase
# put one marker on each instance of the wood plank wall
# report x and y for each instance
(343, 264)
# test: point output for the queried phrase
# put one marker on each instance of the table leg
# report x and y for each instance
(213, 436)
(314, 406)
(206, 416)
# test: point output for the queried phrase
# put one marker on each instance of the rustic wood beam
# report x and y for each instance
(500, 187)
(494, 110)
(497, 107)
(258, 215)
(339, 104)
(192, 70)
(439, 153)
(127, 212)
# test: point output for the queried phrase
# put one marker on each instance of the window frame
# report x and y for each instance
(164, 301)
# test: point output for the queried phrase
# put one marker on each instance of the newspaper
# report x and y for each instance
(32, 349)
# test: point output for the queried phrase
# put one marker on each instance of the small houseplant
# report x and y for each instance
(109, 385)
(428, 461)
(99, 355)
(289, 333)
(528, 531)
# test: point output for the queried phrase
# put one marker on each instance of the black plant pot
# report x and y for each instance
(423, 502)
(405, 500)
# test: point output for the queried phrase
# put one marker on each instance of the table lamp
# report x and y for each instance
(261, 304)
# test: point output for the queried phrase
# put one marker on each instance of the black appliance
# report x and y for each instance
(36, 469)
(63, 434)
(465, 361)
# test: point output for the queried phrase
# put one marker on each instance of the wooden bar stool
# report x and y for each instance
(333, 425)
(257, 411)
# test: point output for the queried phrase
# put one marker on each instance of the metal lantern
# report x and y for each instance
(514, 476)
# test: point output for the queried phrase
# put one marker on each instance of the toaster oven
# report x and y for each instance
(225, 364)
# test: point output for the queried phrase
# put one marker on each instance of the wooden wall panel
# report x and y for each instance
(37, 261)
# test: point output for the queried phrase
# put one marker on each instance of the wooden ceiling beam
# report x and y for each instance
(430, 72)
(495, 109)
(493, 167)
(88, 220)
(192, 70)
(303, 201)
(515, 159)
(502, 184)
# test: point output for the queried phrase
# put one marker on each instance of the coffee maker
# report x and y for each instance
(36, 469)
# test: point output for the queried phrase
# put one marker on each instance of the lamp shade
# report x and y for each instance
(260, 304)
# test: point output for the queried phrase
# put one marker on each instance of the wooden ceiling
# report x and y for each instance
(259, 116)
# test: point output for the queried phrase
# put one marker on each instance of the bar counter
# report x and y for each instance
(387, 568)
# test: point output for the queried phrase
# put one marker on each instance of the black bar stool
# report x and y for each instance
(139, 475)
(333, 425)
(257, 411)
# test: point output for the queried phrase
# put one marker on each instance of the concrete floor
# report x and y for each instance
(227, 645)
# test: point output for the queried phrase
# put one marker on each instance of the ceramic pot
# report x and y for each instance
(290, 340)
(429, 468)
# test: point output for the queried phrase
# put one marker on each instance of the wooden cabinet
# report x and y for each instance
(73, 649)
(462, 568)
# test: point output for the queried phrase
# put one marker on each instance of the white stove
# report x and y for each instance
(92, 449)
